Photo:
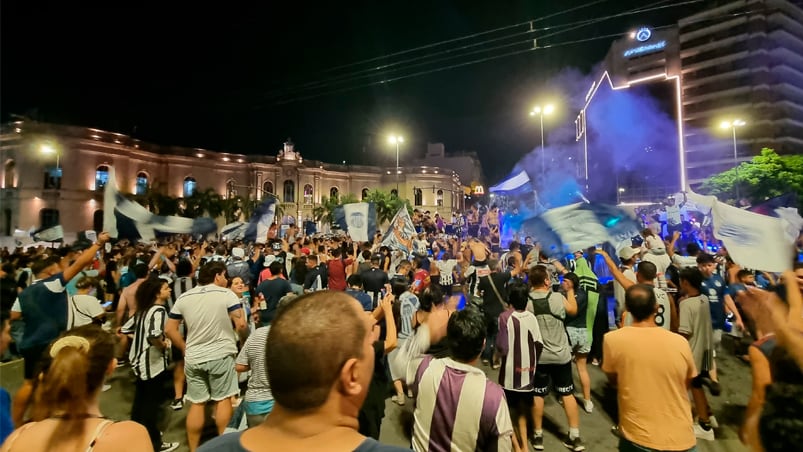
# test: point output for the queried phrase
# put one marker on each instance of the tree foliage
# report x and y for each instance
(767, 175)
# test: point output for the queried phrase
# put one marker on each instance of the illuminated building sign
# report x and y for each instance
(643, 34)
(479, 190)
(648, 48)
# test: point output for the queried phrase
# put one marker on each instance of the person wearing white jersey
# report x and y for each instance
(666, 317)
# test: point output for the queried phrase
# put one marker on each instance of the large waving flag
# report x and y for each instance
(50, 234)
(261, 221)
(123, 218)
(358, 219)
(578, 226)
(401, 232)
(234, 231)
(753, 240)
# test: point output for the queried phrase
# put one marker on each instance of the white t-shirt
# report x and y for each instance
(205, 310)
(83, 308)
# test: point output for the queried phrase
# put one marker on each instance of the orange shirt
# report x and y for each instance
(653, 367)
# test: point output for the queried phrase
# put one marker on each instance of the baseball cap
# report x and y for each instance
(269, 259)
(238, 252)
(628, 252)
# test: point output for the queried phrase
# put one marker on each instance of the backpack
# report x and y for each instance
(127, 279)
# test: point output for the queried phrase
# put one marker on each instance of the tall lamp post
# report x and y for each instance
(397, 140)
(733, 124)
(48, 149)
(541, 111)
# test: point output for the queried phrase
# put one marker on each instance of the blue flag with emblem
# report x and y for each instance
(582, 225)
(358, 219)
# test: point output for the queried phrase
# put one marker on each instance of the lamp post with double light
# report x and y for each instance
(733, 124)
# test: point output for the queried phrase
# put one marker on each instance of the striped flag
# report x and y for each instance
(358, 219)
(123, 218)
(261, 221)
(233, 231)
(579, 226)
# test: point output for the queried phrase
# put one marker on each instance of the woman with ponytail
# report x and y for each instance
(66, 413)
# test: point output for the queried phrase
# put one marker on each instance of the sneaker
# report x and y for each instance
(167, 447)
(105, 388)
(122, 363)
(588, 406)
(616, 432)
(702, 433)
(575, 444)
(537, 442)
(177, 405)
(713, 421)
(398, 400)
(410, 394)
(496, 366)
(486, 362)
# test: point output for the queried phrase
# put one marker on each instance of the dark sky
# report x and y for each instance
(226, 77)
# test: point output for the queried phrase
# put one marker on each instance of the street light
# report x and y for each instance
(541, 111)
(397, 140)
(733, 125)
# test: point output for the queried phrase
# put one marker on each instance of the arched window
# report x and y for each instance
(418, 196)
(101, 177)
(10, 174)
(48, 218)
(189, 186)
(97, 220)
(267, 187)
(143, 183)
(364, 193)
(231, 189)
(289, 191)
(394, 193)
(439, 198)
(334, 193)
(308, 194)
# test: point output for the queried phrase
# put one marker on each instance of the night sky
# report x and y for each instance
(233, 78)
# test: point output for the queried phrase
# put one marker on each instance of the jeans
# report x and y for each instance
(627, 446)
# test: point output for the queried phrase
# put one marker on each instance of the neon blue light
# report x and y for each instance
(645, 49)
(643, 34)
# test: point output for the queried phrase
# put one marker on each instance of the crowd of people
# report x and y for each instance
(297, 343)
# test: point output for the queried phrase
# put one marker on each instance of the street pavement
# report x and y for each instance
(594, 428)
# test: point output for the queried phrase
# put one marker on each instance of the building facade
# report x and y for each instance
(55, 174)
(737, 60)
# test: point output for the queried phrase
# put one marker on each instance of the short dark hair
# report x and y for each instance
(275, 268)
(640, 301)
(692, 276)
(322, 327)
(518, 294)
(705, 258)
(465, 334)
(692, 249)
(183, 268)
(208, 272)
(538, 276)
(647, 270)
(781, 423)
(42, 264)
(140, 270)
(743, 274)
(354, 280)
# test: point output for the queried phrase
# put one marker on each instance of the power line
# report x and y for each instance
(363, 74)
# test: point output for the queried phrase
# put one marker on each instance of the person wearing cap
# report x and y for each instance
(238, 266)
(627, 256)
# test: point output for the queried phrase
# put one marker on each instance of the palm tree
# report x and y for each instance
(386, 205)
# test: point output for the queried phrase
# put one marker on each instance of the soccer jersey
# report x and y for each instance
(518, 334)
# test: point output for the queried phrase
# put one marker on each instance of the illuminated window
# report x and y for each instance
(439, 198)
(10, 174)
(308, 194)
(231, 189)
(418, 196)
(101, 177)
(142, 184)
(189, 186)
(364, 193)
(334, 193)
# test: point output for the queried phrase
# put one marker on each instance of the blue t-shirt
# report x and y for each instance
(44, 309)
(6, 426)
(715, 288)
(230, 442)
(364, 299)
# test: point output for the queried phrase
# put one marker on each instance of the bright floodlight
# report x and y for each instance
(47, 149)
(738, 123)
(393, 139)
(536, 111)
(549, 109)
(731, 124)
(725, 125)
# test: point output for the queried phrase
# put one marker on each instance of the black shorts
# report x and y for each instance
(519, 401)
(33, 360)
(559, 375)
(176, 354)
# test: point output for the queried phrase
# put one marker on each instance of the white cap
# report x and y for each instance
(238, 252)
(628, 252)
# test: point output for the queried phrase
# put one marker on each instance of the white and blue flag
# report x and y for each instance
(261, 221)
(358, 219)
